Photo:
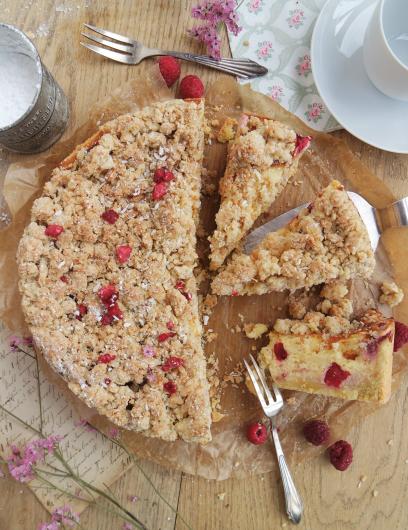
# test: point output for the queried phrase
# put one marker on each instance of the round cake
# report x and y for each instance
(106, 272)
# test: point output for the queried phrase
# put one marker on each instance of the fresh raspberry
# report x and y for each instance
(401, 335)
(335, 375)
(123, 253)
(170, 325)
(191, 87)
(170, 387)
(53, 230)
(279, 351)
(106, 358)
(81, 310)
(234, 293)
(64, 278)
(115, 312)
(316, 432)
(110, 216)
(108, 294)
(168, 176)
(372, 346)
(171, 363)
(159, 191)
(257, 433)
(302, 143)
(341, 455)
(164, 336)
(169, 69)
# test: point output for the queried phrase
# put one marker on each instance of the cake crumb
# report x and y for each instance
(254, 331)
(227, 131)
(390, 442)
(375, 493)
(221, 496)
(392, 295)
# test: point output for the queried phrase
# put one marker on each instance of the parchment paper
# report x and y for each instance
(229, 454)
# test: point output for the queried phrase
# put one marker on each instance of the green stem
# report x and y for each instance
(33, 429)
(39, 393)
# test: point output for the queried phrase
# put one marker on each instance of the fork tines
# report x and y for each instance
(122, 44)
(263, 392)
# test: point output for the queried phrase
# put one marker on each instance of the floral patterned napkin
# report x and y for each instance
(277, 34)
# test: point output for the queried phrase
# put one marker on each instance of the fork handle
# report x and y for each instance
(294, 505)
(243, 68)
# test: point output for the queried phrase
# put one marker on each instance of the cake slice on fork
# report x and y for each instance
(262, 157)
(328, 240)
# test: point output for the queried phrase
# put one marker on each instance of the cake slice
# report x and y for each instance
(327, 240)
(332, 356)
(261, 159)
(107, 272)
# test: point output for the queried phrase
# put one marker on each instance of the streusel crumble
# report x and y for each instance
(261, 159)
(106, 268)
(327, 240)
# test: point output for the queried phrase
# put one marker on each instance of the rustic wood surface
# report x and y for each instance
(333, 500)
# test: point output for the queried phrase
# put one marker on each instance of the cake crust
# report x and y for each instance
(111, 300)
(326, 241)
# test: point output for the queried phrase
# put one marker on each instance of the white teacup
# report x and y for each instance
(386, 48)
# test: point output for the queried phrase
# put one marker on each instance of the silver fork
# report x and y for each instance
(131, 51)
(271, 405)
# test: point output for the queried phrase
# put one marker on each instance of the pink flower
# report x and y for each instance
(264, 50)
(21, 462)
(127, 526)
(255, 5)
(133, 498)
(276, 92)
(214, 13)
(113, 433)
(61, 516)
(84, 423)
(15, 342)
(148, 351)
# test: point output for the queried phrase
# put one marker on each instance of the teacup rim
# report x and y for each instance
(395, 57)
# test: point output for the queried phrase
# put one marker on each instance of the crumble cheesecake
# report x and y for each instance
(261, 159)
(332, 356)
(106, 272)
(327, 240)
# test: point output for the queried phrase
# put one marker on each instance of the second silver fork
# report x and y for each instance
(129, 51)
(272, 405)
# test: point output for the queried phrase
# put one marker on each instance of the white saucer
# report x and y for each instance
(340, 77)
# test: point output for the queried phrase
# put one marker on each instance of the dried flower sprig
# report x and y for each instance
(32, 461)
(214, 13)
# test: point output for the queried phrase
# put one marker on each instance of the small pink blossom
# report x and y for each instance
(113, 433)
(149, 351)
(133, 498)
(304, 66)
(296, 18)
(254, 6)
(84, 423)
(22, 461)
(16, 341)
(315, 112)
(61, 516)
(214, 13)
(127, 526)
(276, 92)
(264, 50)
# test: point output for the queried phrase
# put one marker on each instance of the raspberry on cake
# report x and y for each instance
(106, 272)
(332, 356)
(326, 241)
(261, 159)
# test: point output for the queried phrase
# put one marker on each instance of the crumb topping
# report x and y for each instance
(326, 241)
(117, 282)
(391, 294)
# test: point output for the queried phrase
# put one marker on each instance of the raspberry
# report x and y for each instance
(180, 285)
(191, 87)
(164, 336)
(279, 351)
(159, 191)
(341, 455)
(106, 320)
(115, 312)
(335, 375)
(108, 294)
(81, 310)
(107, 381)
(234, 293)
(302, 143)
(106, 358)
(170, 387)
(169, 69)
(257, 433)
(170, 325)
(64, 278)
(372, 346)
(316, 432)
(401, 335)
(159, 174)
(123, 253)
(171, 363)
(163, 175)
(54, 230)
(110, 216)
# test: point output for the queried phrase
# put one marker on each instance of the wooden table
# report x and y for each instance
(333, 500)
